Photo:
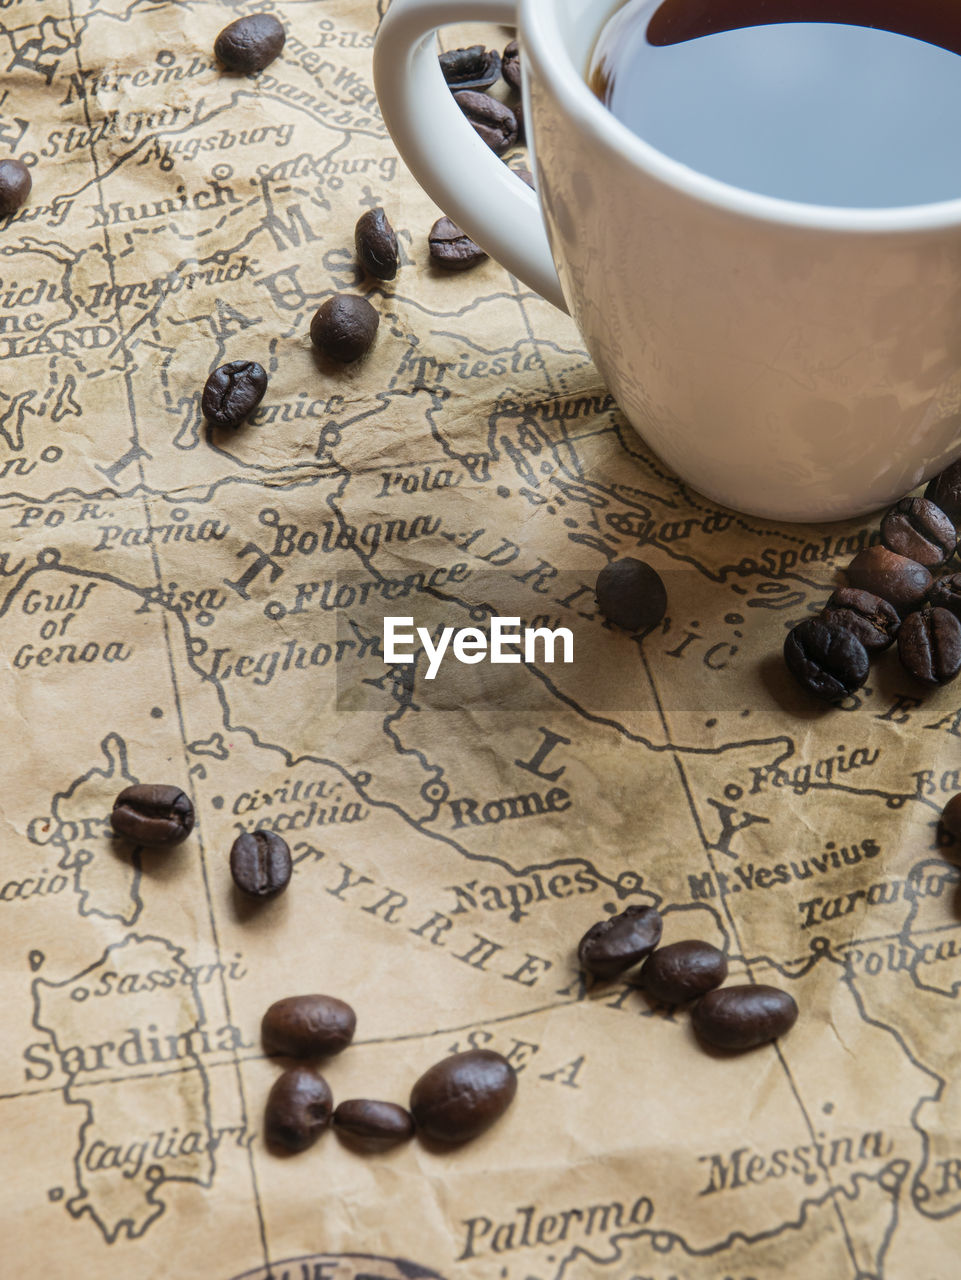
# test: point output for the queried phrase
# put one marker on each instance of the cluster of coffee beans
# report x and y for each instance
(453, 1101)
(892, 594)
(739, 1017)
(631, 594)
(157, 814)
(469, 72)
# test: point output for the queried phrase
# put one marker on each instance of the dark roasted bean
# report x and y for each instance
(472, 68)
(373, 1125)
(742, 1017)
(260, 863)
(233, 392)
(298, 1109)
(631, 594)
(871, 619)
(452, 249)
(827, 660)
(15, 184)
(613, 945)
(900, 581)
(250, 43)
(459, 1097)
(492, 120)
(929, 645)
(344, 328)
(511, 64)
(945, 491)
(683, 971)
(951, 816)
(308, 1026)
(376, 244)
(152, 813)
(916, 528)
(945, 593)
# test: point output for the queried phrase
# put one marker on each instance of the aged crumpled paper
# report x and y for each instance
(207, 608)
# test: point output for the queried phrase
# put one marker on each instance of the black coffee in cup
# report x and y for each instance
(835, 102)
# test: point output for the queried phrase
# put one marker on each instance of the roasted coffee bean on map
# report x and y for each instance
(452, 249)
(945, 491)
(373, 1125)
(344, 328)
(376, 243)
(951, 816)
(233, 392)
(492, 120)
(613, 945)
(250, 43)
(929, 645)
(683, 971)
(744, 1016)
(826, 660)
(895, 578)
(471, 68)
(152, 813)
(511, 65)
(945, 593)
(871, 619)
(298, 1109)
(260, 863)
(310, 1026)
(15, 185)
(631, 594)
(920, 530)
(461, 1096)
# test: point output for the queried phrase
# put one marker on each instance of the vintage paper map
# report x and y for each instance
(206, 608)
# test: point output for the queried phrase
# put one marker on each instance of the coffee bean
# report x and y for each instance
(15, 184)
(250, 43)
(631, 594)
(827, 660)
(373, 1125)
(945, 593)
(871, 619)
(895, 578)
(344, 328)
(511, 65)
(308, 1026)
(492, 120)
(298, 1109)
(916, 528)
(473, 68)
(518, 110)
(683, 971)
(459, 1097)
(153, 814)
(376, 244)
(452, 249)
(742, 1017)
(929, 645)
(945, 491)
(233, 392)
(260, 863)
(951, 816)
(613, 945)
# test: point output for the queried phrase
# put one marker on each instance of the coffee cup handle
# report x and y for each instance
(455, 167)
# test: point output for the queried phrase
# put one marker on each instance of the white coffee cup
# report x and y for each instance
(794, 361)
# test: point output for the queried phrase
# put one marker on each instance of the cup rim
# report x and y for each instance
(545, 49)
